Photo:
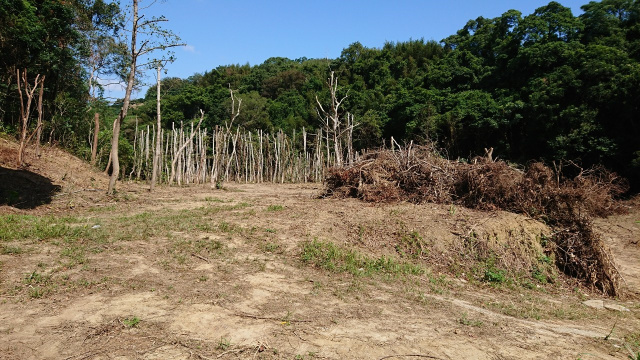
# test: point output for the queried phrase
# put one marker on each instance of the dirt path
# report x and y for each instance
(622, 234)
(206, 274)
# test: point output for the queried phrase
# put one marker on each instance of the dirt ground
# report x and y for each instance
(202, 273)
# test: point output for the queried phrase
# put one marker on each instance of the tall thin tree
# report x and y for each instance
(155, 38)
(158, 147)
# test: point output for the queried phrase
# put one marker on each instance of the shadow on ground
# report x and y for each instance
(24, 189)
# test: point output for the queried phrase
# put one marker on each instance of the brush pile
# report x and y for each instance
(420, 174)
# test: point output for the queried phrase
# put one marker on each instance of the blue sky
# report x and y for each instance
(250, 31)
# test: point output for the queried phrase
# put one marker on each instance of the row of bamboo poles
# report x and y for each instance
(197, 156)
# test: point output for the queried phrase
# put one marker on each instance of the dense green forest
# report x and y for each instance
(70, 44)
(545, 86)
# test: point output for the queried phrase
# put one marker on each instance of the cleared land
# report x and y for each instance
(273, 272)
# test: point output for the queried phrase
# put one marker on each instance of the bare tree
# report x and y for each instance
(332, 121)
(153, 38)
(25, 109)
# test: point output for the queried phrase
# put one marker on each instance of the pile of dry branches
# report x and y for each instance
(420, 174)
(415, 174)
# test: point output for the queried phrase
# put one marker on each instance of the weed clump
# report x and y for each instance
(564, 198)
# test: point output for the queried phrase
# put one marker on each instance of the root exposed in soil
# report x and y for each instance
(419, 174)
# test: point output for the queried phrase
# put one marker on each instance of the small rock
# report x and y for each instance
(596, 304)
(95, 227)
(615, 307)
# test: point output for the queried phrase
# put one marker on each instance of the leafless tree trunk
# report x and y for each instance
(158, 148)
(184, 145)
(234, 112)
(349, 140)
(96, 131)
(106, 169)
(39, 123)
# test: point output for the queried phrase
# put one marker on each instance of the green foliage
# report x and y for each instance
(492, 273)
(55, 39)
(539, 275)
(131, 322)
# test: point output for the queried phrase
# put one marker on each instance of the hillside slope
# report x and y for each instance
(55, 171)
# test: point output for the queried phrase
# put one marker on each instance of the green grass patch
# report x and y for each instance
(39, 284)
(540, 276)
(10, 250)
(142, 226)
(38, 292)
(275, 208)
(329, 256)
(29, 227)
(35, 277)
(438, 284)
(633, 338)
(632, 345)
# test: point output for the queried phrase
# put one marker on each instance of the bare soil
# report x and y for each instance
(202, 273)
